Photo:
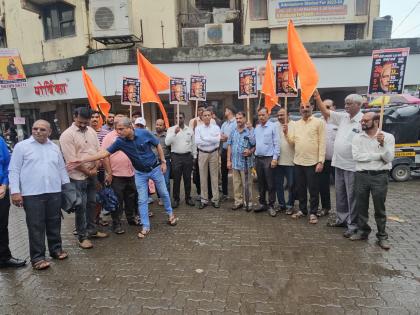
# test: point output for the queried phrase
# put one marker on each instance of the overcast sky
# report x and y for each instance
(399, 9)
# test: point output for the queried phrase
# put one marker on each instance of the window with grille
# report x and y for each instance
(362, 7)
(354, 31)
(2, 37)
(258, 10)
(260, 36)
(208, 5)
(58, 20)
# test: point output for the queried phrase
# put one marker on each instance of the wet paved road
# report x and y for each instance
(217, 261)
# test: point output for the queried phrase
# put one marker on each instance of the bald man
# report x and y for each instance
(160, 133)
(36, 173)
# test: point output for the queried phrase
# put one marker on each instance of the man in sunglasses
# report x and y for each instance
(36, 173)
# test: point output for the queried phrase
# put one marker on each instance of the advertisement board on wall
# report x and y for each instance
(12, 74)
(311, 12)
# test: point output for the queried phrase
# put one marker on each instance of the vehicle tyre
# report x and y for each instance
(401, 173)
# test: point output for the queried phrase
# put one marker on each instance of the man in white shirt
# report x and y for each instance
(36, 173)
(207, 139)
(373, 150)
(183, 154)
(345, 166)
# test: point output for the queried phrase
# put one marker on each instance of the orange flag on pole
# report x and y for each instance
(96, 101)
(300, 63)
(152, 81)
(268, 85)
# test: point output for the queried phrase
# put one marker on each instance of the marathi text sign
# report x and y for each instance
(198, 88)
(12, 74)
(283, 88)
(130, 92)
(388, 70)
(247, 83)
(310, 12)
(178, 91)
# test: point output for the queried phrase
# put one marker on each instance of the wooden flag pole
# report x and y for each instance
(285, 109)
(381, 114)
(142, 110)
(177, 113)
(248, 111)
(259, 101)
(131, 111)
(196, 108)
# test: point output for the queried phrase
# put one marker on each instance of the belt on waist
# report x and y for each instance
(189, 153)
(374, 172)
(263, 156)
(208, 151)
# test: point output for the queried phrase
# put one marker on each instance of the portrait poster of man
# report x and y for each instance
(198, 87)
(130, 92)
(388, 70)
(282, 80)
(247, 83)
(12, 74)
(178, 91)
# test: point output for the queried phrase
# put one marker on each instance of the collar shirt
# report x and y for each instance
(120, 163)
(108, 128)
(267, 140)
(101, 133)
(199, 122)
(330, 134)
(77, 145)
(207, 138)
(239, 141)
(166, 149)
(347, 129)
(181, 142)
(227, 127)
(4, 163)
(287, 149)
(36, 168)
(139, 150)
(369, 155)
(309, 140)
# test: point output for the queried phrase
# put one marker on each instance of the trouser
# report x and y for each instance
(167, 175)
(208, 164)
(266, 182)
(345, 200)
(281, 172)
(239, 186)
(125, 190)
(377, 186)
(196, 178)
(142, 185)
(307, 179)
(324, 186)
(224, 171)
(4, 232)
(85, 213)
(43, 217)
(182, 165)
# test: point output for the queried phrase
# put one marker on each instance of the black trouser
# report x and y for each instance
(125, 190)
(307, 179)
(266, 182)
(324, 186)
(4, 232)
(224, 171)
(181, 167)
(377, 185)
(43, 217)
(196, 179)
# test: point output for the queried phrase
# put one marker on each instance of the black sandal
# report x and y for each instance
(60, 255)
(172, 221)
(143, 233)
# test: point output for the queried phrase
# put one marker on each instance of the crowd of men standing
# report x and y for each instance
(291, 159)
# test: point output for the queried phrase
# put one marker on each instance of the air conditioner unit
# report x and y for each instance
(219, 33)
(110, 18)
(193, 37)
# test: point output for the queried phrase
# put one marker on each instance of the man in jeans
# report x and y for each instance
(160, 133)
(137, 145)
(227, 127)
(77, 142)
(120, 174)
(36, 172)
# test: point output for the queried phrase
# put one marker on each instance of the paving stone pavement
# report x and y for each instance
(217, 261)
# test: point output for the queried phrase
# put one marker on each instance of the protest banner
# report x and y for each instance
(198, 90)
(178, 93)
(12, 74)
(131, 94)
(248, 87)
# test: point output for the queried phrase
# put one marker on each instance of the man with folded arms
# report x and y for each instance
(207, 139)
(373, 150)
(36, 173)
(137, 145)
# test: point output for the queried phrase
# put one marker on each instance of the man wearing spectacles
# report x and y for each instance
(36, 173)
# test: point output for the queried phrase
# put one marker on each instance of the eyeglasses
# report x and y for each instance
(39, 129)
(366, 120)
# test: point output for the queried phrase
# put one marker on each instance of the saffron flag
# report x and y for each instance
(96, 101)
(300, 63)
(152, 81)
(269, 86)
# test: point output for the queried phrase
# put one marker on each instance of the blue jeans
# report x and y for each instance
(283, 171)
(142, 184)
(167, 176)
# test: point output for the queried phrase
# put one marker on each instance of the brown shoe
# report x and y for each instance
(99, 235)
(85, 244)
